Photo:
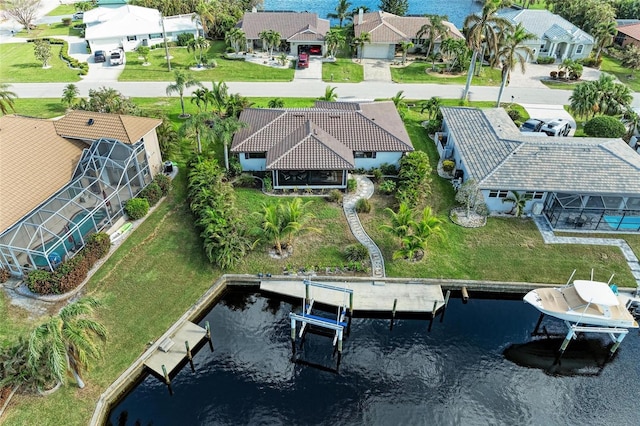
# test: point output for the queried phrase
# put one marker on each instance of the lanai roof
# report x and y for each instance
(88, 125)
(546, 25)
(389, 28)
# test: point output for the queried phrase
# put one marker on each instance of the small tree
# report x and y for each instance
(42, 52)
(469, 196)
(519, 201)
(182, 82)
(144, 52)
(23, 11)
(70, 95)
(276, 103)
(330, 94)
(405, 45)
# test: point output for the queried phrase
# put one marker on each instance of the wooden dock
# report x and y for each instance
(176, 352)
(368, 296)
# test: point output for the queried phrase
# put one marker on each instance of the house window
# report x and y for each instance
(364, 154)
(579, 49)
(132, 38)
(534, 195)
(251, 155)
(496, 193)
(156, 35)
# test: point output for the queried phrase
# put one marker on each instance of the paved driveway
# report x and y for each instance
(377, 70)
(549, 112)
(314, 72)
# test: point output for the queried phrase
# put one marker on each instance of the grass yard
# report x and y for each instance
(627, 76)
(559, 84)
(416, 73)
(537, 5)
(63, 9)
(343, 70)
(226, 70)
(50, 30)
(19, 65)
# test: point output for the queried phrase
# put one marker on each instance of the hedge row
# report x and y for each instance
(71, 273)
(64, 54)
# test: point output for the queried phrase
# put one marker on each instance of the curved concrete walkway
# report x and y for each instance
(364, 190)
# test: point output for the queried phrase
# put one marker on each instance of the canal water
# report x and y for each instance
(457, 374)
(456, 10)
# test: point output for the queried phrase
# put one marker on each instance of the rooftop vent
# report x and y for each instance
(90, 122)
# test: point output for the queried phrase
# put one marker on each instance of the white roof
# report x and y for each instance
(546, 25)
(596, 292)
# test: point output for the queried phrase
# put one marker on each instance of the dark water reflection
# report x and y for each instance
(456, 374)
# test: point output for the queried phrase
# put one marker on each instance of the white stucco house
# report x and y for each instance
(128, 27)
(557, 37)
(317, 147)
(576, 183)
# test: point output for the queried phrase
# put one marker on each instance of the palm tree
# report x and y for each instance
(415, 243)
(276, 103)
(223, 131)
(167, 138)
(201, 97)
(519, 201)
(482, 30)
(182, 82)
(197, 126)
(70, 95)
(296, 218)
(342, 11)
(67, 340)
(334, 39)
(432, 106)
(514, 52)
(433, 30)
(236, 38)
(265, 38)
(219, 97)
(631, 119)
(400, 221)
(236, 103)
(584, 100)
(604, 32)
(202, 44)
(274, 41)
(330, 94)
(360, 41)
(6, 99)
(405, 45)
(272, 225)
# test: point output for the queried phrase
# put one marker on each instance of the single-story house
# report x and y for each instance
(301, 31)
(388, 30)
(62, 180)
(130, 26)
(317, 147)
(557, 37)
(576, 183)
(628, 34)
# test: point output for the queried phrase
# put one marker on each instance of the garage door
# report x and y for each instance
(376, 51)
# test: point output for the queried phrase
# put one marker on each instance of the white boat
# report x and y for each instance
(584, 302)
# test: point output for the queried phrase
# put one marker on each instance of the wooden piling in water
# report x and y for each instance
(446, 302)
(433, 313)
(189, 356)
(293, 336)
(393, 313)
(208, 334)
(536, 330)
(465, 295)
(167, 380)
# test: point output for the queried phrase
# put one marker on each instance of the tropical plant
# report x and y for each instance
(454, 51)
(70, 95)
(198, 45)
(360, 41)
(631, 120)
(413, 234)
(414, 178)
(108, 100)
(270, 40)
(236, 38)
(219, 97)
(297, 218)
(136, 208)
(400, 221)
(333, 40)
(519, 201)
(330, 94)
(604, 32)
(342, 12)
(6, 98)
(356, 252)
(432, 106)
(223, 131)
(272, 227)
(275, 103)
(67, 341)
(182, 81)
(433, 30)
(513, 51)
(198, 126)
(236, 103)
(283, 221)
(631, 57)
(604, 126)
(396, 7)
(405, 45)
(601, 96)
(201, 97)
(167, 138)
(42, 51)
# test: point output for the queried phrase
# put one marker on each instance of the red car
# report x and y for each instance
(303, 60)
(315, 50)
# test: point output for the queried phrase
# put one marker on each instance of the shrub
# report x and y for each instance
(4, 275)
(152, 193)
(66, 22)
(136, 208)
(388, 169)
(561, 74)
(183, 39)
(245, 180)
(546, 60)
(604, 126)
(356, 252)
(352, 185)
(432, 126)
(388, 187)
(448, 165)
(230, 49)
(591, 62)
(163, 182)
(335, 196)
(514, 115)
(235, 168)
(268, 184)
(363, 205)
(377, 175)
(414, 178)
(553, 74)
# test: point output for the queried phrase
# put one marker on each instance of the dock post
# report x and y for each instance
(208, 335)
(536, 330)
(618, 340)
(564, 345)
(465, 295)
(293, 336)
(446, 302)
(393, 313)
(351, 304)
(189, 356)
(167, 380)
(433, 313)
(306, 293)
(339, 347)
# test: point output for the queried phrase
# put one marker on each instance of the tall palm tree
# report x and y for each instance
(433, 30)
(482, 30)
(584, 100)
(182, 82)
(604, 32)
(236, 38)
(330, 94)
(519, 201)
(223, 131)
(360, 41)
(513, 52)
(68, 340)
(405, 45)
(201, 97)
(334, 39)
(219, 97)
(265, 38)
(6, 99)
(198, 126)
(342, 11)
(274, 41)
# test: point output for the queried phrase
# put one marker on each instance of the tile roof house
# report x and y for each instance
(587, 183)
(299, 30)
(388, 30)
(131, 26)
(318, 146)
(557, 37)
(62, 179)
(628, 34)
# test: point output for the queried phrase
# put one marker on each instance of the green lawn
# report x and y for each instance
(539, 5)
(416, 73)
(341, 71)
(226, 70)
(63, 9)
(50, 30)
(559, 84)
(19, 65)
(627, 76)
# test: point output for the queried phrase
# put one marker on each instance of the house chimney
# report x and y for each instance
(254, 9)
(360, 16)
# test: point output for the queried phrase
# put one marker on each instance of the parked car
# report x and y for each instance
(531, 125)
(99, 56)
(78, 16)
(315, 50)
(303, 60)
(557, 127)
(117, 57)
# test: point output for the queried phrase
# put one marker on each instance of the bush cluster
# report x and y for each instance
(70, 273)
(363, 205)
(152, 193)
(604, 126)
(432, 126)
(184, 38)
(164, 183)
(448, 165)
(546, 60)
(356, 252)
(335, 196)
(136, 208)
(388, 187)
(352, 185)
(4, 275)
(414, 178)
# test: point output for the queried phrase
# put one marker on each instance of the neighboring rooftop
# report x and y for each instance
(630, 30)
(88, 125)
(545, 25)
(389, 28)
(292, 26)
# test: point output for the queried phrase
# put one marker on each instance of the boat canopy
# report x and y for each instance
(596, 292)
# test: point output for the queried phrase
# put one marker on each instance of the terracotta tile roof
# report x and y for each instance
(374, 126)
(632, 30)
(388, 28)
(34, 163)
(89, 125)
(287, 24)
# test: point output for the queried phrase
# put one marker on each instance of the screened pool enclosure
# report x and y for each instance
(108, 174)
